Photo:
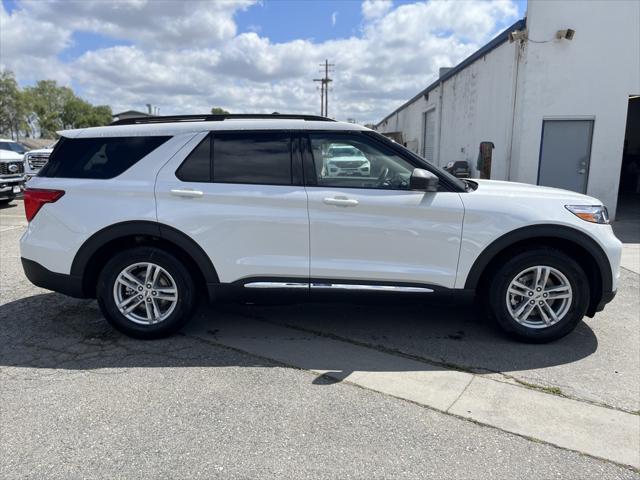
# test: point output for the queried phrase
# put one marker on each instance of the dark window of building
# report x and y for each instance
(252, 157)
(98, 158)
(197, 166)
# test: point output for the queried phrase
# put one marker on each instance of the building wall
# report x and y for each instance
(590, 76)
(477, 106)
(409, 122)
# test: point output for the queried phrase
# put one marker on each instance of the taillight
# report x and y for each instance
(35, 198)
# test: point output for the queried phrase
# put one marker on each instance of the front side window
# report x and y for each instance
(351, 161)
(97, 158)
(252, 157)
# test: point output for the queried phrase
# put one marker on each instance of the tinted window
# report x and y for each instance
(252, 157)
(197, 166)
(98, 157)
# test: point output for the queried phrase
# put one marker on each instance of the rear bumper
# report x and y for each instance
(58, 282)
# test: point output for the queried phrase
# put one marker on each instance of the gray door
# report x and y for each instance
(429, 122)
(565, 154)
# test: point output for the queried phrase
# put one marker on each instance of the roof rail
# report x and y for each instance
(219, 118)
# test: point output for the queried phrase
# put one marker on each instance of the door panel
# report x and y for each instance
(248, 230)
(385, 235)
(365, 223)
(565, 154)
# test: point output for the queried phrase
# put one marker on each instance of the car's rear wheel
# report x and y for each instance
(146, 293)
(538, 295)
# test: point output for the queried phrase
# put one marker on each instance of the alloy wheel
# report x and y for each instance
(145, 293)
(539, 297)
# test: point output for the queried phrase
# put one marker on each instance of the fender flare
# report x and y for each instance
(143, 227)
(542, 231)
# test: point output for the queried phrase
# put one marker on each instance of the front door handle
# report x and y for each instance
(187, 193)
(341, 201)
(582, 171)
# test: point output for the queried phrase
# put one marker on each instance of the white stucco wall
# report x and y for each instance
(478, 106)
(590, 76)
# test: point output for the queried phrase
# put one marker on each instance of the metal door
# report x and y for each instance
(565, 154)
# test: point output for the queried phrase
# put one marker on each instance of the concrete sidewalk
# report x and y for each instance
(594, 430)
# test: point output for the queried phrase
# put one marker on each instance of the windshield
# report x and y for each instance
(13, 147)
(443, 173)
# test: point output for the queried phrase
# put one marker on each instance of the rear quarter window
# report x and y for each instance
(98, 158)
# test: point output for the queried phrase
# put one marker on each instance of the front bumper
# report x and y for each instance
(606, 298)
(10, 187)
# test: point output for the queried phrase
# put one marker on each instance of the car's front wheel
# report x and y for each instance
(538, 295)
(146, 293)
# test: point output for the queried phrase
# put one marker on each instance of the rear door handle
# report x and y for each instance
(341, 201)
(187, 193)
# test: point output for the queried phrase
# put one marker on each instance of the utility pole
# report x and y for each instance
(324, 88)
(321, 94)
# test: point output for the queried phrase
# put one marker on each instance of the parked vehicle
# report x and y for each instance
(345, 160)
(146, 215)
(34, 160)
(11, 170)
(459, 169)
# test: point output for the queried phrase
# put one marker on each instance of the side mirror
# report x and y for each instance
(423, 181)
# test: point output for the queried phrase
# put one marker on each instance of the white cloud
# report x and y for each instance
(374, 9)
(168, 63)
(29, 46)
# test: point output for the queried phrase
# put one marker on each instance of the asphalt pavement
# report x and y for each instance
(79, 400)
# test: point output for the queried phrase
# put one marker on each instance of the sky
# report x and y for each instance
(247, 56)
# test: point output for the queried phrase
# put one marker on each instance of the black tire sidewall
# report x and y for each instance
(547, 257)
(184, 283)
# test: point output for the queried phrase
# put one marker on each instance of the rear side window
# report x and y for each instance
(252, 157)
(98, 158)
(197, 166)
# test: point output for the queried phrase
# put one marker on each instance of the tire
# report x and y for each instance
(565, 294)
(6, 201)
(168, 311)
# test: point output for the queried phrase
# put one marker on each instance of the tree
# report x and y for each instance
(56, 107)
(12, 105)
(218, 111)
(59, 108)
(47, 101)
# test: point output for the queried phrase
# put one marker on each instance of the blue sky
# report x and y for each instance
(245, 55)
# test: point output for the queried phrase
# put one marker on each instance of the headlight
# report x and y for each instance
(590, 213)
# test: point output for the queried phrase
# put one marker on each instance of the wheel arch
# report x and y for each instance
(98, 248)
(569, 240)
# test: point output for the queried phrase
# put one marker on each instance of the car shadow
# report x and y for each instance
(53, 331)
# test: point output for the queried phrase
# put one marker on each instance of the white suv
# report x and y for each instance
(147, 215)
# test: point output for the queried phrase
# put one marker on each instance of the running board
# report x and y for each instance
(339, 286)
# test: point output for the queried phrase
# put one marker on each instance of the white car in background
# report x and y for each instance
(346, 160)
(34, 160)
(11, 169)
